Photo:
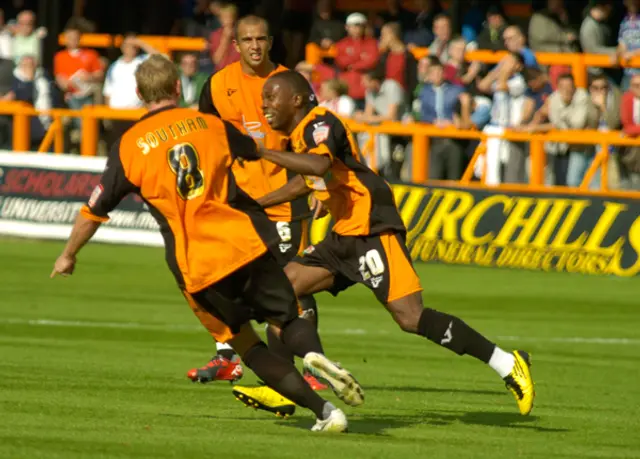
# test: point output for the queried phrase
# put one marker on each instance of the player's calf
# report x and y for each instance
(454, 334)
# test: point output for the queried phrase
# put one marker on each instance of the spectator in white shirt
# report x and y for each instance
(572, 108)
(333, 94)
(385, 101)
(5, 38)
(120, 83)
(27, 41)
(508, 87)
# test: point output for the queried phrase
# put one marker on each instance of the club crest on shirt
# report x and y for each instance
(320, 132)
(95, 195)
(317, 183)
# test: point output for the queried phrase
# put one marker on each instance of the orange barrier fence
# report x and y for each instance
(419, 133)
(578, 62)
(165, 45)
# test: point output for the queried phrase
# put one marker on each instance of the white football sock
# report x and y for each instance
(222, 346)
(502, 362)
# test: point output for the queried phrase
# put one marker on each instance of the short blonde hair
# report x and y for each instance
(156, 79)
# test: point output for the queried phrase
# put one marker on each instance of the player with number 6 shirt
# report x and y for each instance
(235, 95)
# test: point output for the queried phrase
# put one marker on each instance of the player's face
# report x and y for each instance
(277, 105)
(253, 43)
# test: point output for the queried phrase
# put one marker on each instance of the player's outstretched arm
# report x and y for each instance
(301, 163)
(82, 231)
(292, 190)
(114, 186)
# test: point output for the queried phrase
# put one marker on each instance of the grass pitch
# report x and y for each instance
(93, 366)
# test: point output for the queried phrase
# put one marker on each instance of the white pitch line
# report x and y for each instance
(346, 331)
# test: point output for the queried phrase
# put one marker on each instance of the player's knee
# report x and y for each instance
(407, 322)
(292, 271)
(406, 312)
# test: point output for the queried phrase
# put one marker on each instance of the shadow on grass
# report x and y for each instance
(379, 425)
(488, 418)
(434, 390)
(366, 425)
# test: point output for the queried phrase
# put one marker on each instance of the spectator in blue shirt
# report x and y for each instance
(438, 106)
(438, 98)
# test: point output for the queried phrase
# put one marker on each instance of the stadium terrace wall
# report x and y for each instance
(40, 195)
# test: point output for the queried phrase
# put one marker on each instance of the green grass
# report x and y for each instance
(93, 366)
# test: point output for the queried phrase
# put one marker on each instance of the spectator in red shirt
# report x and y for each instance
(457, 70)
(78, 71)
(356, 55)
(396, 62)
(221, 43)
(630, 117)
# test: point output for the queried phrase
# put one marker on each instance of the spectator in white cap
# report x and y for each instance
(356, 55)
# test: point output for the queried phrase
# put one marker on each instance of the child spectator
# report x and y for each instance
(333, 95)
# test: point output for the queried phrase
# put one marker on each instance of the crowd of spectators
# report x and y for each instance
(374, 77)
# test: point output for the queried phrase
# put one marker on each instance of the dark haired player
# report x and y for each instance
(367, 243)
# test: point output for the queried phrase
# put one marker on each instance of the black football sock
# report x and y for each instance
(301, 337)
(450, 332)
(278, 347)
(283, 377)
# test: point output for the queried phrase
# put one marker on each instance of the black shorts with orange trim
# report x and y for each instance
(381, 262)
(258, 291)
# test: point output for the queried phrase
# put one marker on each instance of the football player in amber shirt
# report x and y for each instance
(179, 161)
(235, 95)
(367, 242)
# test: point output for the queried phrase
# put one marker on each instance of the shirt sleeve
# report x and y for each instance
(113, 187)
(205, 103)
(240, 145)
(323, 136)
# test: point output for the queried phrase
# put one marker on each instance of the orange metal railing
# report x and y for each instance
(578, 62)
(165, 45)
(419, 133)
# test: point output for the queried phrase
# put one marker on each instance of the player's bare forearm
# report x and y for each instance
(292, 190)
(82, 231)
(301, 163)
